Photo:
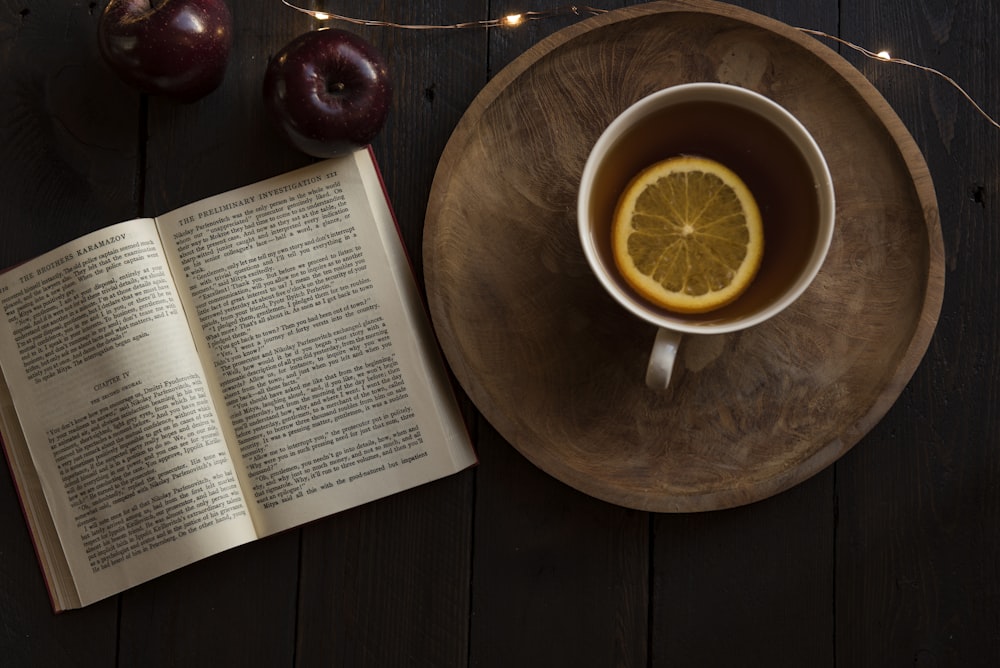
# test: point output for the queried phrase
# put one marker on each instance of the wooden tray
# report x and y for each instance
(557, 367)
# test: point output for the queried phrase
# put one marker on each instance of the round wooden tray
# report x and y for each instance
(557, 367)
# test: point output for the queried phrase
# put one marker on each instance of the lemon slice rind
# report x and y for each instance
(692, 240)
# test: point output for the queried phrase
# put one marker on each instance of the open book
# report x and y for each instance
(174, 387)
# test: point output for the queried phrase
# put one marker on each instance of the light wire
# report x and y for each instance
(514, 20)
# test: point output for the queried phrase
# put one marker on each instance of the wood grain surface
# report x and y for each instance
(886, 558)
(557, 368)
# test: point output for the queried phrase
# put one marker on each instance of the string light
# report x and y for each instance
(885, 57)
(508, 21)
(515, 20)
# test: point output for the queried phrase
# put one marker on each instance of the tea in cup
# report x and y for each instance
(770, 154)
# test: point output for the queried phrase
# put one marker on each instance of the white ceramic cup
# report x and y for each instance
(767, 147)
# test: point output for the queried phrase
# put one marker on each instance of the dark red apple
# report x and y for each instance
(328, 92)
(175, 48)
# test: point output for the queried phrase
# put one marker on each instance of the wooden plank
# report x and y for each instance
(236, 608)
(69, 155)
(192, 151)
(559, 578)
(435, 76)
(30, 633)
(387, 584)
(918, 542)
(67, 167)
(752, 585)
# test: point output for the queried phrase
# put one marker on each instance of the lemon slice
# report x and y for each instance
(687, 235)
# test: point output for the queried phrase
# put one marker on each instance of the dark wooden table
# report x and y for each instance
(890, 557)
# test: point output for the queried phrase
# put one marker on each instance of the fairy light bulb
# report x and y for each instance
(513, 20)
(884, 55)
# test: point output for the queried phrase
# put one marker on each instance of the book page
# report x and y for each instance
(313, 327)
(113, 407)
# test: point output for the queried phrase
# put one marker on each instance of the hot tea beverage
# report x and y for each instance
(763, 156)
(773, 155)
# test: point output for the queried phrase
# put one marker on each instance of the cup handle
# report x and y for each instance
(661, 359)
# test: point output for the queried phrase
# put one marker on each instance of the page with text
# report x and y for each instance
(322, 359)
(110, 394)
